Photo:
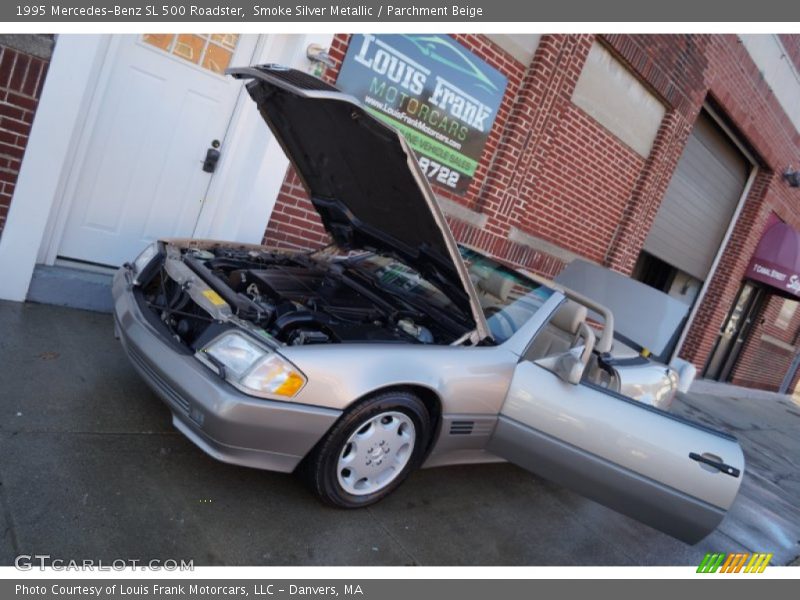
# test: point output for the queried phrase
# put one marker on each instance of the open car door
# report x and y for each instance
(674, 475)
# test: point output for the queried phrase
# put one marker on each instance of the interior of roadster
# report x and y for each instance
(571, 340)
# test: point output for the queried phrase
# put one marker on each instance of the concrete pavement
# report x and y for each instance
(90, 467)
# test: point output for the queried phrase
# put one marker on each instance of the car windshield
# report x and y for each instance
(508, 298)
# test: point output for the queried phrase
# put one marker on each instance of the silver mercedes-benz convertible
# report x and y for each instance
(393, 347)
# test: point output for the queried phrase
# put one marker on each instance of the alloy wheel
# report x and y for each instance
(376, 453)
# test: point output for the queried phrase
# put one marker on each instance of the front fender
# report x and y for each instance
(466, 379)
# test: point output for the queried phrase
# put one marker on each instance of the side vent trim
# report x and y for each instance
(461, 427)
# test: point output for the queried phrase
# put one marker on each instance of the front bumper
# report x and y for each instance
(225, 423)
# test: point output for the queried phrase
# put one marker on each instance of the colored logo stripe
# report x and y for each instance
(734, 562)
(711, 563)
(758, 563)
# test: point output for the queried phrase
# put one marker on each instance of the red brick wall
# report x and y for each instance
(534, 169)
(764, 361)
(718, 66)
(551, 171)
(551, 201)
(21, 80)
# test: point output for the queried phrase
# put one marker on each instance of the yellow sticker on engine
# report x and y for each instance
(214, 298)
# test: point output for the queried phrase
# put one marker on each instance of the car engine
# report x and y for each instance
(296, 298)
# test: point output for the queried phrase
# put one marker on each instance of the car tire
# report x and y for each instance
(370, 450)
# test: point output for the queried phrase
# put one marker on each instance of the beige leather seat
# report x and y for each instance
(559, 334)
(494, 290)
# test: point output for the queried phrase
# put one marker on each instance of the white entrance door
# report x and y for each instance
(161, 103)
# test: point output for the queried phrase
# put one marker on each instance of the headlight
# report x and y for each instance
(274, 375)
(235, 352)
(143, 260)
(251, 367)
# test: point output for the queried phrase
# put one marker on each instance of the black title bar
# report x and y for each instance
(266, 11)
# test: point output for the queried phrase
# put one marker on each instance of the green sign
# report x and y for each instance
(440, 96)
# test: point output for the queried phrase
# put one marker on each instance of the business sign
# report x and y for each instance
(774, 274)
(440, 96)
(776, 260)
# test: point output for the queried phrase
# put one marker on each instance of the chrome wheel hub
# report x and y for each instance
(376, 453)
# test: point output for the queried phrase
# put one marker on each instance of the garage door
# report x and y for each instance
(700, 201)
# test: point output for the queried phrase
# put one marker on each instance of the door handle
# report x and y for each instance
(212, 158)
(720, 466)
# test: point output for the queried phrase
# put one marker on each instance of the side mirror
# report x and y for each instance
(569, 367)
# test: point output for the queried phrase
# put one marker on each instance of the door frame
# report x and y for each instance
(59, 210)
(63, 203)
(754, 305)
(56, 125)
(252, 167)
(242, 175)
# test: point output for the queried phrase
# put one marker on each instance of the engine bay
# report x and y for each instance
(297, 298)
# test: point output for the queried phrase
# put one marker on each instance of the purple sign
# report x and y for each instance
(776, 260)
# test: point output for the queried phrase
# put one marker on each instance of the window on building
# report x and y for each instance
(211, 51)
(786, 313)
(615, 98)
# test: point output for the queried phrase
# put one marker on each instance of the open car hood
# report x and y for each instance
(362, 177)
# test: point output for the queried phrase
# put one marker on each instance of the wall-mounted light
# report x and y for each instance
(318, 53)
(792, 176)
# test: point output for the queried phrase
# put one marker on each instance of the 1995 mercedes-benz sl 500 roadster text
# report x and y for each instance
(394, 348)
